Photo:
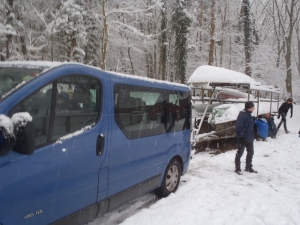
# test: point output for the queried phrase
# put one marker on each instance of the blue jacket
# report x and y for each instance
(244, 126)
(262, 127)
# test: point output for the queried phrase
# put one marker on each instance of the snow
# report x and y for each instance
(228, 94)
(211, 193)
(204, 75)
(8, 29)
(148, 79)
(231, 111)
(13, 89)
(31, 64)
(17, 120)
(74, 134)
(6, 123)
(21, 119)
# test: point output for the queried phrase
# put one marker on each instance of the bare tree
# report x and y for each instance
(297, 50)
(212, 33)
(163, 43)
(105, 36)
(287, 15)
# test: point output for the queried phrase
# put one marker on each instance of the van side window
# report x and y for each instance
(38, 106)
(77, 104)
(145, 111)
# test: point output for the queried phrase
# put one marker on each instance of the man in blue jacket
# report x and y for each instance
(245, 137)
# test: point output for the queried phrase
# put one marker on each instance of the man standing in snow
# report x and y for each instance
(245, 137)
(282, 111)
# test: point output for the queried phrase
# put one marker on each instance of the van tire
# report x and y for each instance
(171, 179)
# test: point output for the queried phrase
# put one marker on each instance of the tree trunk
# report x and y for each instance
(154, 63)
(247, 36)
(9, 36)
(298, 50)
(163, 47)
(212, 33)
(201, 24)
(230, 52)
(223, 27)
(105, 37)
(129, 56)
(8, 43)
(292, 17)
(24, 49)
(288, 64)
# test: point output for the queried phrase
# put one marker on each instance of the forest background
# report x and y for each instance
(161, 39)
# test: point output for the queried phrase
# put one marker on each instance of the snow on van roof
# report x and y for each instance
(48, 65)
(148, 79)
(30, 64)
(204, 75)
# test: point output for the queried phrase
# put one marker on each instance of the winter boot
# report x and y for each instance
(250, 170)
(239, 172)
(238, 168)
(287, 131)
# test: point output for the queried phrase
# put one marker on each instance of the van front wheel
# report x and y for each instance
(171, 178)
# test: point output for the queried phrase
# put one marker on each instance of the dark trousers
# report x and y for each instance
(272, 132)
(283, 120)
(240, 152)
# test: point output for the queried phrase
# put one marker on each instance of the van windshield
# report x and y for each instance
(11, 77)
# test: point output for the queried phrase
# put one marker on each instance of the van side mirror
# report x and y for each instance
(25, 139)
(25, 133)
(7, 142)
(17, 133)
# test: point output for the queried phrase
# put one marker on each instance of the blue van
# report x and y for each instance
(77, 142)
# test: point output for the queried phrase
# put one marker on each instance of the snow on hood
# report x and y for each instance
(204, 75)
(7, 124)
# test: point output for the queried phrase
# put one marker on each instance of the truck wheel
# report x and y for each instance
(171, 178)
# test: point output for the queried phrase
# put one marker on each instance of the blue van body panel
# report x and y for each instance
(57, 179)
(134, 160)
(66, 176)
(52, 178)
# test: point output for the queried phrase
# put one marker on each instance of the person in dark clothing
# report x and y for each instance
(282, 111)
(245, 137)
(272, 126)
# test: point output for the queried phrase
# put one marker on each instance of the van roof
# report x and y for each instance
(49, 65)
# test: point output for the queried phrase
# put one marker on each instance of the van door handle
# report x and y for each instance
(100, 145)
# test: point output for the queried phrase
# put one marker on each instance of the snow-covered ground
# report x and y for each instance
(211, 193)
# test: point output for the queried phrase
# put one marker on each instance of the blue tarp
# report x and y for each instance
(262, 128)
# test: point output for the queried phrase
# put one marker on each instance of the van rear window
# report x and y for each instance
(146, 111)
